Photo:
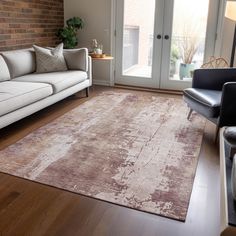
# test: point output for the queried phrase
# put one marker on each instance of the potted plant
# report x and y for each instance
(188, 47)
(68, 34)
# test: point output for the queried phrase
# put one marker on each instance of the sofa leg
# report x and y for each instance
(217, 133)
(87, 91)
(189, 114)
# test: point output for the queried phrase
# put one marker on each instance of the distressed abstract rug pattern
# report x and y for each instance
(136, 150)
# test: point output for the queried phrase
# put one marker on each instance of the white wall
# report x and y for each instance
(97, 16)
(227, 39)
(225, 34)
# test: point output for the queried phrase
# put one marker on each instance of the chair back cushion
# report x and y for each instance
(4, 72)
(20, 62)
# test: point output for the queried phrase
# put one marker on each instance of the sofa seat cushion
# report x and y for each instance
(204, 101)
(59, 80)
(15, 95)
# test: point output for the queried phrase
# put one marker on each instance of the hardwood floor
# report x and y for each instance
(28, 208)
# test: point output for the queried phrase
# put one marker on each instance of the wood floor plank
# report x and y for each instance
(29, 208)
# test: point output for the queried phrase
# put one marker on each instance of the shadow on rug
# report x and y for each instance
(138, 151)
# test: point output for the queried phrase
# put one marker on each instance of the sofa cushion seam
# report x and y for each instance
(26, 93)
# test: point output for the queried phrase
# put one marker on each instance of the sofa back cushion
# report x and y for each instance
(20, 62)
(76, 59)
(4, 72)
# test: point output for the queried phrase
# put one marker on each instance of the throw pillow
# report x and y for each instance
(50, 60)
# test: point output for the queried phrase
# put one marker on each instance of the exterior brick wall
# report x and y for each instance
(27, 22)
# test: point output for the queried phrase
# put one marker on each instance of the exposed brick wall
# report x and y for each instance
(27, 22)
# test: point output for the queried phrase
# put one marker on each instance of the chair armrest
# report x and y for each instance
(76, 59)
(213, 79)
(228, 105)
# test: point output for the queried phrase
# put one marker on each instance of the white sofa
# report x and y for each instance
(24, 92)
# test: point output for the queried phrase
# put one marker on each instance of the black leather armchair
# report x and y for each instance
(213, 95)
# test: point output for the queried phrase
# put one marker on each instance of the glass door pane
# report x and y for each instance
(159, 43)
(138, 31)
(188, 38)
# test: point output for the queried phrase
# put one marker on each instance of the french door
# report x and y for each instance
(160, 42)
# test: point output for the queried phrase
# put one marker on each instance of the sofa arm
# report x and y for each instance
(213, 78)
(76, 59)
(228, 105)
(90, 70)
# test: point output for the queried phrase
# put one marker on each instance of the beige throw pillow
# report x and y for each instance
(50, 60)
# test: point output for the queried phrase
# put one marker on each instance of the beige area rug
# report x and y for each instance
(133, 149)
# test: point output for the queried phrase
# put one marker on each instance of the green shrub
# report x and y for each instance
(68, 34)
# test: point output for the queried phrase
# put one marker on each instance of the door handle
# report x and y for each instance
(166, 37)
(159, 36)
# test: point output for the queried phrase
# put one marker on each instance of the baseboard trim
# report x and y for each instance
(166, 91)
(101, 82)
